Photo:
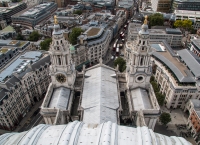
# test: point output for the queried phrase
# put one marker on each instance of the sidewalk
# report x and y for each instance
(28, 115)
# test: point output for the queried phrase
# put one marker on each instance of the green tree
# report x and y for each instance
(155, 86)
(45, 44)
(160, 98)
(121, 63)
(20, 37)
(74, 34)
(156, 20)
(78, 12)
(152, 79)
(165, 118)
(34, 36)
(183, 25)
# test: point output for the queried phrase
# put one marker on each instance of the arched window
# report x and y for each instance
(59, 60)
(57, 42)
(61, 41)
(141, 61)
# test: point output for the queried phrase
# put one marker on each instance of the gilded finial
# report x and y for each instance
(145, 21)
(55, 20)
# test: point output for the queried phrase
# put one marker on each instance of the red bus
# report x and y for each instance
(117, 51)
(114, 47)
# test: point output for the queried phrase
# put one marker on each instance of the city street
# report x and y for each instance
(121, 51)
(34, 121)
(32, 118)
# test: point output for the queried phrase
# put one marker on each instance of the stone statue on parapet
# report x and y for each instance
(140, 119)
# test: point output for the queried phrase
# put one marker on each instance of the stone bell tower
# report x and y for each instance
(62, 69)
(138, 71)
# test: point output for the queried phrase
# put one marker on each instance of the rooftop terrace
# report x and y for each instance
(93, 31)
(20, 63)
(175, 61)
(3, 50)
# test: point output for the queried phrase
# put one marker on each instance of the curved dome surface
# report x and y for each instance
(79, 133)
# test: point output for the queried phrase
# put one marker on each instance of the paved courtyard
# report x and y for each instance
(178, 117)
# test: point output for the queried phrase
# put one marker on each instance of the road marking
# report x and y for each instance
(36, 121)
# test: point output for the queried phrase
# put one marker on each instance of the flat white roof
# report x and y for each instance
(60, 98)
(141, 99)
(100, 96)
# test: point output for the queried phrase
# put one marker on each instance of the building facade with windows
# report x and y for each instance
(177, 75)
(161, 5)
(194, 16)
(34, 15)
(9, 49)
(7, 12)
(96, 41)
(193, 123)
(22, 83)
(190, 5)
(172, 36)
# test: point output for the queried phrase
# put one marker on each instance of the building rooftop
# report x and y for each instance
(100, 97)
(196, 42)
(172, 61)
(79, 133)
(34, 11)
(186, 13)
(60, 98)
(93, 31)
(4, 50)
(140, 99)
(8, 29)
(187, 1)
(190, 61)
(19, 64)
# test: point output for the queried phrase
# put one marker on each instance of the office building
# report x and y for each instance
(96, 41)
(172, 36)
(194, 16)
(22, 83)
(34, 15)
(161, 5)
(9, 49)
(13, 8)
(193, 108)
(190, 5)
(194, 46)
(177, 74)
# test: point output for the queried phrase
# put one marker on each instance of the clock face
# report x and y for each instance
(60, 78)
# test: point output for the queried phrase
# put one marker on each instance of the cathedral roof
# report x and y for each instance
(79, 133)
(100, 96)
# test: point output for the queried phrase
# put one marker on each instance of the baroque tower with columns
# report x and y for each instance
(62, 69)
(138, 70)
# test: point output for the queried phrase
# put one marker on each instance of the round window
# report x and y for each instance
(140, 79)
